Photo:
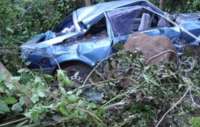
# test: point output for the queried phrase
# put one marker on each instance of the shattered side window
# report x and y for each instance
(99, 28)
(125, 21)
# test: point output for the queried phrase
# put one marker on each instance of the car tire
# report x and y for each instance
(77, 72)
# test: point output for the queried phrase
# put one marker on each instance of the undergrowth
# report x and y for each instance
(125, 93)
(133, 94)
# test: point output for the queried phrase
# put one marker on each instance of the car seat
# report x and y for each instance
(145, 22)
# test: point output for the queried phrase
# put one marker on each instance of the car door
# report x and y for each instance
(98, 45)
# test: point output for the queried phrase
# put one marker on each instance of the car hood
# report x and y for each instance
(33, 43)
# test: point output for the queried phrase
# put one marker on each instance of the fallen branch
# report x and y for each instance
(174, 106)
(12, 122)
(193, 101)
(121, 103)
(94, 69)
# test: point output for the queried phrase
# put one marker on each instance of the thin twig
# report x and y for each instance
(57, 63)
(193, 101)
(121, 103)
(91, 114)
(93, 70)
(160, 54)
(115, 98)
(12, 122)
(174, 106)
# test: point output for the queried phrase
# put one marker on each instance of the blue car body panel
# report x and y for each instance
(48, 50)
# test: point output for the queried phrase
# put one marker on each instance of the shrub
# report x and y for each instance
(21, 19)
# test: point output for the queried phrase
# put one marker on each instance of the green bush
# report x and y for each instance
(21, 19)
(195, 121)
(180, 5)
(30, 97)
(133, 94)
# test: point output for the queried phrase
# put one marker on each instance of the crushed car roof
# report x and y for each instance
(88, 14)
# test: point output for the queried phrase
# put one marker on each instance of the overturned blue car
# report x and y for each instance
(89, 34)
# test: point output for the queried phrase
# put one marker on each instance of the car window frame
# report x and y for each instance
(124, 37)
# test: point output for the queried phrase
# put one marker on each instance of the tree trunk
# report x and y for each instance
(88, 2)
(161, 4)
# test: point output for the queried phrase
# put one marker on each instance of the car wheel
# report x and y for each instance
(77, 73)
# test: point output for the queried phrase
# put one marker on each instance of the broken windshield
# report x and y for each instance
(67, 25)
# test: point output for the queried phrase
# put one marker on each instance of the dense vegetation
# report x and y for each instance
(21, 19)
(141, 98)
(130, 93)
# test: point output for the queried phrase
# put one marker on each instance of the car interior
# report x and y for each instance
(150, 20)
(98, 29)
(125, 22)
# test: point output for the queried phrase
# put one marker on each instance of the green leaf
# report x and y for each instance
(10, 100)
(62, 109)
(41, 93)
(3, 107)
(62, 78)
(9, 30)
(17, 107)
(92, 106)
(195, 121)
(35, 98)
(149, 79)
(37, 112)
(72, 98)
